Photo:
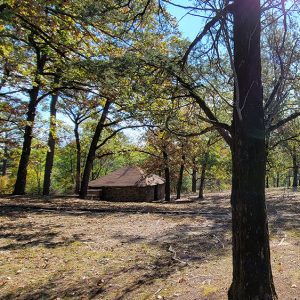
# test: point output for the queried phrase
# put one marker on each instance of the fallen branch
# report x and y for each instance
(174, 257)
(219, 241)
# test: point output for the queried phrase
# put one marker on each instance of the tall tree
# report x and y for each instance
(180, 177)
(252, 275)
(34, 99)
(249, 219)
(51, 139)
(79, 106)
(194, 175)
(202, 178)
(93, 148)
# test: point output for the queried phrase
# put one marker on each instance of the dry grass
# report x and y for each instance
(72, 249)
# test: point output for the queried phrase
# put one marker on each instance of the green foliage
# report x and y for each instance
(5, 185)
(131, 54)
(63, 178)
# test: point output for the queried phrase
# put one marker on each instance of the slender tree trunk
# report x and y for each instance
(51, 142)
(203, 170)
(267, 182)
(5, 159)
(252, 275)
(167, 177)
(277, 179)
(92, 151)
(38, 180)
(194, 177)
(4, 166)
(295, 169)
(78, 159)
(38, 177)
(202, 177)
(180, 178)
(20, 184)
(71, 164)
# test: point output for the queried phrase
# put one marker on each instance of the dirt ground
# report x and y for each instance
(66, 248)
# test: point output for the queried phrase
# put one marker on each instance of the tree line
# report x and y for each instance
(111, 66)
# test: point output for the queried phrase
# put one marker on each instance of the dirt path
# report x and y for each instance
(73, 249)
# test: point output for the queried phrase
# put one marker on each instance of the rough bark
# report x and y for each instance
(180, 178)
(167, 177)
(51, 142)
(252, 275)
(20, 184)
(78, 160)
(92, 151)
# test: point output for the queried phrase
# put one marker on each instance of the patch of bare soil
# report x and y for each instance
(60, 248)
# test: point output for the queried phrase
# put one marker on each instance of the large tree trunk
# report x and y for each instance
(203, 175)
(295, 169)
(180, 178)
(167, 177)
(92, 151)
(78, 160)
(194, 177)
(252, 275)
(20, 184)
(51, 142)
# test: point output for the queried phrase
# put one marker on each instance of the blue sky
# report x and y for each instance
(187, 24)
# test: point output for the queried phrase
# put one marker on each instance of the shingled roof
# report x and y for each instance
(125, 177)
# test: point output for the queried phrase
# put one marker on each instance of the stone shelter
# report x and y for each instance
(128, 184)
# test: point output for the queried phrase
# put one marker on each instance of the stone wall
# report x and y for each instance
(137, 194)
(160, 194)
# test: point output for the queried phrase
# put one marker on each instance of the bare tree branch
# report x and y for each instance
(205, 30)
(283, 122)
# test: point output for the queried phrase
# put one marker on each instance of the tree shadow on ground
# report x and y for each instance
(184, 245)
(284, 212)
(188, 205)
(180, 246)
(94, 287)
(29, 234)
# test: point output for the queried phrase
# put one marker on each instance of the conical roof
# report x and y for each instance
(127, 176)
